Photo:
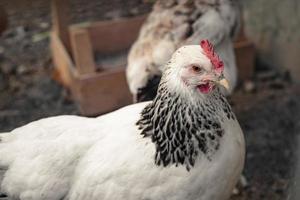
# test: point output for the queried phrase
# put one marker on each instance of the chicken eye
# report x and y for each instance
(196, 68)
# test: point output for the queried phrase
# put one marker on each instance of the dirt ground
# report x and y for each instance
(269, 114)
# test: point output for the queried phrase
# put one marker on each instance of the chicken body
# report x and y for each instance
(174, 23)
(83, 158)
(185, 144)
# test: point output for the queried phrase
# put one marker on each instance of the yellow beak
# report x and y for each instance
(224, 82)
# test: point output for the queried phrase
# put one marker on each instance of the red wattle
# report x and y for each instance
(205, 88)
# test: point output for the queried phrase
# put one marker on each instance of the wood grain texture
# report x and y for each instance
(113, 36)
(63, 64)
(102, 92)
(82, 51)
(245, 58)
(60, 20)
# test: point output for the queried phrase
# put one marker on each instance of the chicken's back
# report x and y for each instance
(40, 158)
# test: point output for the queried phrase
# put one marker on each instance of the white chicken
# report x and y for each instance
(174, 23)
(185, 144)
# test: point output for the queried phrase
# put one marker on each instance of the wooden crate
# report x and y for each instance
(96, 88)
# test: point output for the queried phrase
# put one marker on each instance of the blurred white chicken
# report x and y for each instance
(174, 23)
(185, 144)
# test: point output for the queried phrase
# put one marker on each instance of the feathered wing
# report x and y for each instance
(216, 24)
(169, 27)
(40, 158)
(151, 50)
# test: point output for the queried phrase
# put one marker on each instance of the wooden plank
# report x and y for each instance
(245, 58)
(113, 36)
(82, 51)
(62, 62)
(3, 19)
(60, 21)
(241, 34)
(102, 92)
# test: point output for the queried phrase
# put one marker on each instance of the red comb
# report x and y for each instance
(212, 56)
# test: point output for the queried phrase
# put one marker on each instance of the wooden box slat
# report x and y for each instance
(122, 33)
(82, 51)
(245, 58)
(62, 61)
(102, 92)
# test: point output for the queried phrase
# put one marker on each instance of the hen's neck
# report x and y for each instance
(181, 130)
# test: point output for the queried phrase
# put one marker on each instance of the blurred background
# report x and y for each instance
(33, 84)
